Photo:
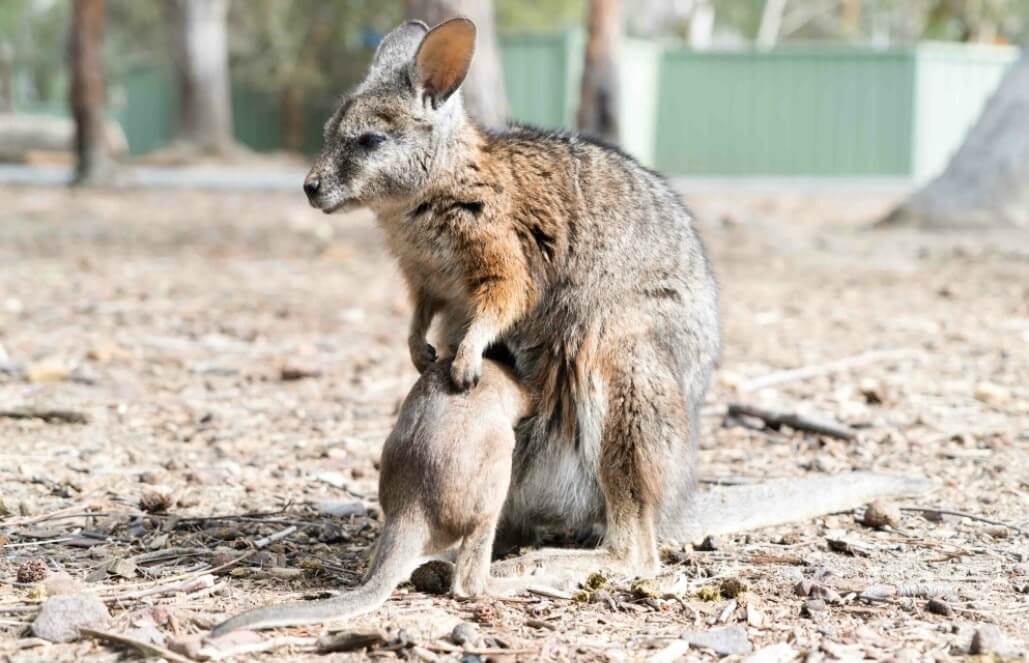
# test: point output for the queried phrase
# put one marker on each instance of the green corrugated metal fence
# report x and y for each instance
(812, 110)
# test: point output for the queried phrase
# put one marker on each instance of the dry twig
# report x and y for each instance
(48, 415)
(147, 649)
(963, 514)
(818, 370)
(795, 421)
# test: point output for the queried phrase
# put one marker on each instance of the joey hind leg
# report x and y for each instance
(471, 572)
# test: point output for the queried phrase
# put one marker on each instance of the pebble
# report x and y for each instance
(465, 634)
(813, 608)
(989, 392)
(712, 543)
(341, 509)
(939, 607)
(731, 641)
(881, 514)
(988, 639)
(62, 616)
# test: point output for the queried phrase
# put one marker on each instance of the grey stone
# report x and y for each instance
(62, 616)
(465, 634)
(988, 639)
(731, 641)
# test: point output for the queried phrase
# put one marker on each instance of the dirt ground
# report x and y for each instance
(240, 359)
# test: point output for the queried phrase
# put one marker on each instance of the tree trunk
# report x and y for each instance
(6, 77)
(321, 29)
(598, 95)
(93, 165)
(771, 23)
(702, 25)
(200, 52)
(986, 182)
(483, 89)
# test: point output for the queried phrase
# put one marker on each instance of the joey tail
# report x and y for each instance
(398, 551)
(735, 509)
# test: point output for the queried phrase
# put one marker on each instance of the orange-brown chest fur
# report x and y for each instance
(495, 227)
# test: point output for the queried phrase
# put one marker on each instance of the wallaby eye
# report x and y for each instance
(370, 140)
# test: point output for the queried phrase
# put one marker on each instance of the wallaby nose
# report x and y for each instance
(311, 184)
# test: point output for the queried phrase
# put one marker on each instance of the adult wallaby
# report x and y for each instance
(585, 270)
(583, 264)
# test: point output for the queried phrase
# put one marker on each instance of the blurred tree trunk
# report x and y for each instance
(598, 95)
(6, 77)
(771, 23)
(483, 89)
(702, 25)
(93, 165)
(200, 51)
(320, 30)
(986, 182)
(852, 17)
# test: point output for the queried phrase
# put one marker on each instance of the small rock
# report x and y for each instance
(711, 543)
(779, 653)
(62, 616)
(33, 570)
(881, 514)
(827, 594)
(51, 369)
(803, 588)
(435, 577)
(150, 477)
(989, 392)
(755, 615)
(988, 639)
(124, 568)
(998, 531)
(465, 634)
(939, 607)
(872, 391)
(813, 608)
(731, 641)
(341, 509)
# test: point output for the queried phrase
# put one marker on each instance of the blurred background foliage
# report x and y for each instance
(317, 43)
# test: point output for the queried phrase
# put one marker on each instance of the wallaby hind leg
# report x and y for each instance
(645, 432)
(471, 574)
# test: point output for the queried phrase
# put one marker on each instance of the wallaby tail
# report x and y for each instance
(397, 552)
(779, 501)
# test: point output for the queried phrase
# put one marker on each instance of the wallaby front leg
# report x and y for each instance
(496, 302)
(422, 354)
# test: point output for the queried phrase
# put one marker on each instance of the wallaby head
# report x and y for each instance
(395, 131)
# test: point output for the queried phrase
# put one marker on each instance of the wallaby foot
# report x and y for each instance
(471, 574)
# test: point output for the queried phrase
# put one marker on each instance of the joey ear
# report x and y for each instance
(399, 45)
(443, 58)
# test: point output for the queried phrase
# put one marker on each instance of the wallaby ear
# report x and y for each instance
(442, 60)
(399, 45)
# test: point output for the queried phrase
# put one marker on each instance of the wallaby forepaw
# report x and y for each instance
(423, 355)
(466, 370)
